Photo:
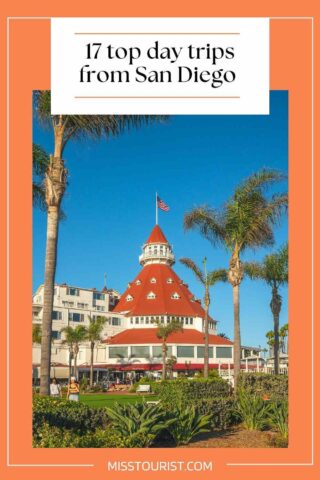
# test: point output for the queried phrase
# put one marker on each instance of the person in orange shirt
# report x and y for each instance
(73, 390)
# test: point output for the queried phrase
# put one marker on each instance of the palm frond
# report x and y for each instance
(273, 269)
(215, 276)
(38, 196)
(259, 181)
(276, 266)
(250, 220)
(89, 126)
(207, 221)
(40, 160)
(165, 330)
(196, 270)
(254, 270)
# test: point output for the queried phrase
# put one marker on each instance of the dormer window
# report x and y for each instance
(175, 296)
(153, 280)
(169, 280)
(129, 298)
(138, 282)
(151, 296)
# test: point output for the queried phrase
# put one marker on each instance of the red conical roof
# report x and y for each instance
(164, 283)
(157, 236)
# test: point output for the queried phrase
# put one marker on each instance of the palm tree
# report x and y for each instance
(207, 279)
(270, 341)
(171, 361)
(66, 128)
(164, 332)
(245, 221)
(274, 271)
(36, 334)
(283, 334)
(223, 335)
(93, 335)
(73, 337)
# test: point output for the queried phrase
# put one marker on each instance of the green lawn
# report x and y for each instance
(107, 400)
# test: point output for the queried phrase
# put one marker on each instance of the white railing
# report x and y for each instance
(146, 256)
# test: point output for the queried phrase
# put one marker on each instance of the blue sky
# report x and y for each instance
(189, 161)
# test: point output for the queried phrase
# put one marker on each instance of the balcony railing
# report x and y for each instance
(147, 256)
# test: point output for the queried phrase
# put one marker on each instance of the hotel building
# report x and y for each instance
(130, 343)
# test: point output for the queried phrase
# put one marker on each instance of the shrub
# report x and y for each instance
(274, 387)
(182, 392)
(213, 373)
(84, 383)
(65, 414)
(279, 442)
(278, 416)
(188, 423)
(54, 437)
(252, 410)
(221, 409)
(138, 423)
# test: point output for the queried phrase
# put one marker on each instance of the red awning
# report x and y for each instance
(158, 366)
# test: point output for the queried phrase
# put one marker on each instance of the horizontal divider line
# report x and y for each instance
(151, 97)
(156, 33)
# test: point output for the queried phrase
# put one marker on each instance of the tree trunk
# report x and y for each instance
(237, 336)
(275, 308)
(75, 366)
(70, 363)
(235, 276)
(50, 269)
(164, 359)
(55, 184)
(206, 334)
(276, 344)
(91, 364)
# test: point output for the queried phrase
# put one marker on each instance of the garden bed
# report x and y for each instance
(235, 437)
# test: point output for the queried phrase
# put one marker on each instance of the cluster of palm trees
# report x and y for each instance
(74, 337)
(245, 221)
(283, 339)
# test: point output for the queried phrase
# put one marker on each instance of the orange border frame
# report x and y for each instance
(291, 69)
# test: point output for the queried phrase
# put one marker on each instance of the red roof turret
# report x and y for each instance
(157, 289)
(157, 236)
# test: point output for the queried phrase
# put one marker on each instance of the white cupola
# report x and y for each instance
(156, 249)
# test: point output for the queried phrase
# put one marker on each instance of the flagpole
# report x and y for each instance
(156, 208)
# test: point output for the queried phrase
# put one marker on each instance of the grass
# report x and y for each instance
(107, 400)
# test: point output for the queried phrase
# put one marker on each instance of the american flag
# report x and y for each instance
(163, 206)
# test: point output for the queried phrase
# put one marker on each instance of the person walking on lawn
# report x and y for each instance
(73, 390)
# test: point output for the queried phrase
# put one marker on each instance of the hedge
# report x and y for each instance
(183, 391)
(275, 387)
(54, 437)
(222, 411)
(61, 413)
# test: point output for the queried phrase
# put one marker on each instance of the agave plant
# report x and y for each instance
(279, 418)
(252, 410)
(139, 421)
(188, 424)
